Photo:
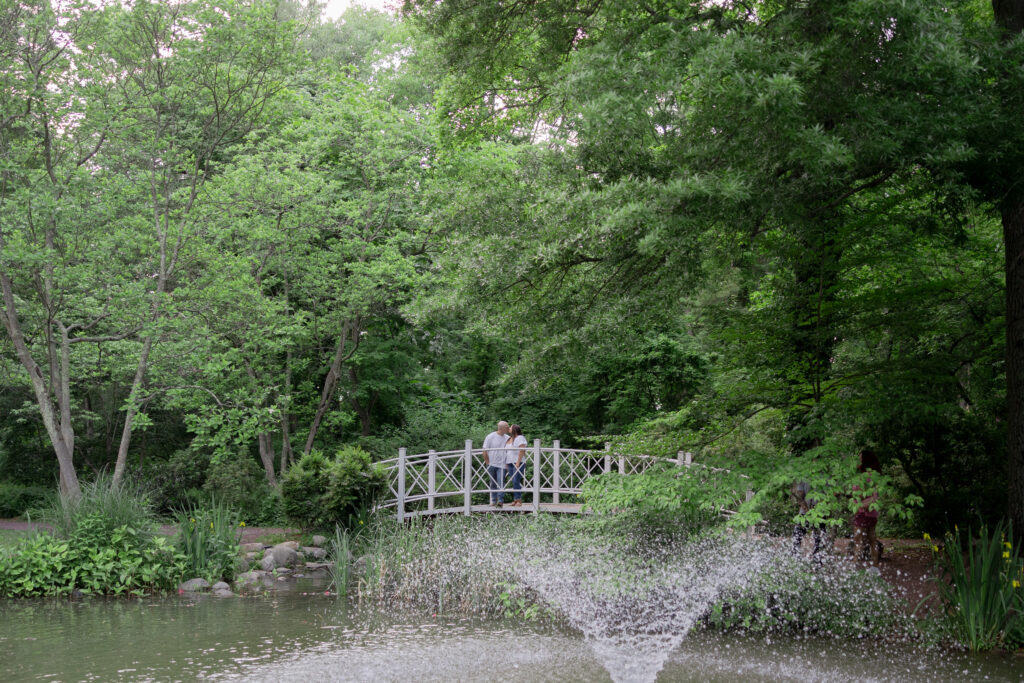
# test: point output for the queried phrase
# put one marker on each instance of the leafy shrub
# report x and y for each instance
(271, 512)
(795, 596)
(16, 499)
(664, 496)
(95, 560)
(302, 486)
(239, 483)
(175, 482)
(318, 492)
(208, 540)
(352, 480)
(982, 589)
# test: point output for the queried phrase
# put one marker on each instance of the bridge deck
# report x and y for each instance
(564, 508)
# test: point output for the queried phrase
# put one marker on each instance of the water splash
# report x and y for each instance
(635, 601)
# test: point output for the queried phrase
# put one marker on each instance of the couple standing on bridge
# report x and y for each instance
(504, 453)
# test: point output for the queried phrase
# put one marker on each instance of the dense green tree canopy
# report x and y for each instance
(769, 233)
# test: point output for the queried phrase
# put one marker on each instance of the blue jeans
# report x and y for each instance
(516, 474)
(497, 477)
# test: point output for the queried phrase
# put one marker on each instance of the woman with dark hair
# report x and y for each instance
(865, 541)
(515, 456)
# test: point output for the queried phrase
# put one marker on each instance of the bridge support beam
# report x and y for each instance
(401, 485)
(536, 476)
(431, 480)
(467, 478)
(556, 471)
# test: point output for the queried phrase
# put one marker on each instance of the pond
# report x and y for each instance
(302, 635)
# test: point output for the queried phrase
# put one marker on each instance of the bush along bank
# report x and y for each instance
(106, 543)
(93, 561)
(538, 568)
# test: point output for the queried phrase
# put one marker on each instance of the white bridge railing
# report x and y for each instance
(446, 482)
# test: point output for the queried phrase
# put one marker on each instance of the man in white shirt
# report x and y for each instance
(494, 459)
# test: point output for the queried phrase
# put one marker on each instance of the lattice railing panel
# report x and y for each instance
(561, 471)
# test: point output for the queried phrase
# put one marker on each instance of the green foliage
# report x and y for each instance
(302, 487)
(103, 506)
(982, 588)
(238, 482)
(96, 560)
(667, 496)
(103, 543)
(441, 422)
(16, 499)
(519, 602)
(271, 512)
(793, 596)
(208, 540)
(352, 482)
(318, 492)
(171, 480)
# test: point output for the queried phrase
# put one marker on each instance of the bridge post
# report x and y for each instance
(401, 485)
(607, 457)
(556, 471)
(622, 464)
(431, 479)
(536, 476)
(467, 478)
(685, 459)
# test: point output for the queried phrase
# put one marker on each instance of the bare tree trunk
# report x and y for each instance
(286, 445)
(133, 408)
(286, 418)
(1009, 16)
(1013, 234)
(58, 426)
(266, 442)
(348, 328)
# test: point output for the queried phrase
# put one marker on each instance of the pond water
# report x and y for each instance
(303, 635)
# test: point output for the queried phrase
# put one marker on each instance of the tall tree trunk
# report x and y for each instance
(266, 443)
(61, 434)
(1012, 210)
(1009, 15)
(133, 409)
(286, 417)
(348, 328)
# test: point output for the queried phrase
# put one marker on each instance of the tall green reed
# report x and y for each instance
(209, 537)
(982, 588)
(341, 556)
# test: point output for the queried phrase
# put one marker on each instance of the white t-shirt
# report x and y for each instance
(494, 444)
(512, 450)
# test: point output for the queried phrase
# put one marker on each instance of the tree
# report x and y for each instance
(1003, 181)
(774, 138)
(52, 126)
(201, 75)
(322, 212)
(114, 118)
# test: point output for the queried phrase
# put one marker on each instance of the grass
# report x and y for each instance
(123, 504)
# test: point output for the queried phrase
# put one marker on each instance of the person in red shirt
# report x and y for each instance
(865, 541)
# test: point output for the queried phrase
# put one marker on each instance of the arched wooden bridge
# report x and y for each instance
(456, 482)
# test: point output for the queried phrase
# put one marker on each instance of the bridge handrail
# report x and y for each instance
(436, 476)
